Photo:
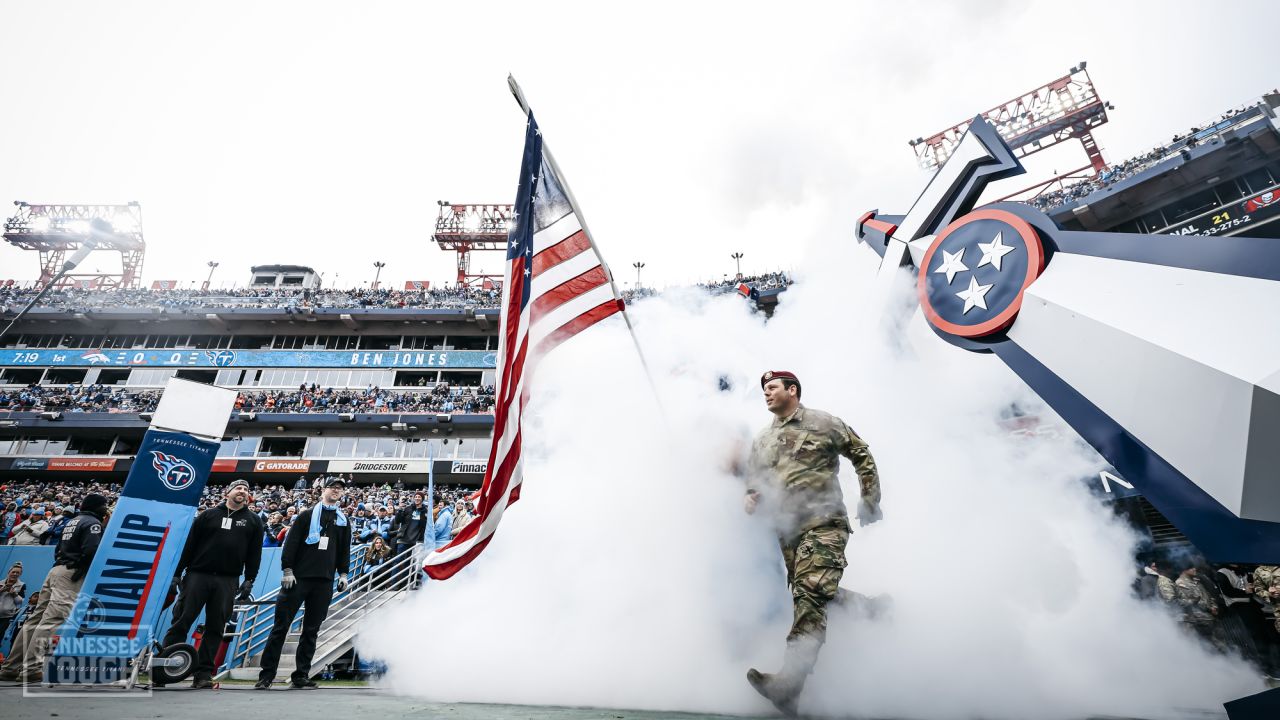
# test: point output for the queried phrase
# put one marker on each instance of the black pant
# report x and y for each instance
(4, 626)
(214, 594)
(315, 595)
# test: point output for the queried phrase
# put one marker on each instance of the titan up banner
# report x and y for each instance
(114, 616)
(124, 590)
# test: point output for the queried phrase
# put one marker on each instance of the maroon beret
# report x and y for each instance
(776, 374)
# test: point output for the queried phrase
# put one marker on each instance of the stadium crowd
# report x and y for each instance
(34, 512)
(298, 299)
(13, 298)
(441, 398)
(1109, 176)
(767, 281)
(1117, 172)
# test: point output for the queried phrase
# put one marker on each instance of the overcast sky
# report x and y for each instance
(325, 133)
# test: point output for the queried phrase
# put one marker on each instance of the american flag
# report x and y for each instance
(555, 286)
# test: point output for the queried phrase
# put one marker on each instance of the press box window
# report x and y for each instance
(89, 446)
(416, 378)
(108, 376)
(469, 342)
(458, 378)
(64, 376)
(282, 447)
(201, 376)
(21, 376)
(379, 342)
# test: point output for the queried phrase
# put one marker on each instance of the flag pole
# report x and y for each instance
(582, 220)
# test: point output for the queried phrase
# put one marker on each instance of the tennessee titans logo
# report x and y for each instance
(174, 472)
(973, 275)
(221, 358)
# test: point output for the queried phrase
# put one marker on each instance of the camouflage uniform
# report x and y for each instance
(1266, 587)
(793, 466)
(1197, 610)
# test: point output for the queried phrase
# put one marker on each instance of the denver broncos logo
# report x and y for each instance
(174, 472)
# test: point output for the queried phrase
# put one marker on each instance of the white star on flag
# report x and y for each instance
(993, 251)
(952, 263)
(974, 295)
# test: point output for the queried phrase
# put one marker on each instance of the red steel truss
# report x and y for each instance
(55, 230)
(467, 228)
(1067, 108)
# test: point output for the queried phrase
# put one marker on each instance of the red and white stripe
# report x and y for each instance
(571, 291)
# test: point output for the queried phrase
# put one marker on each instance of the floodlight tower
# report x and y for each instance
(467, 228)
(55, 230)
(1067, 108)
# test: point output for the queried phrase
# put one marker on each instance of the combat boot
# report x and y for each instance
(783, 687)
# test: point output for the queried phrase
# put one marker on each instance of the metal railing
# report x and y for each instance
(372, 588)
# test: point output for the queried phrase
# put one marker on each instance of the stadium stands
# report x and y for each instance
(312, 399)
(91, 299)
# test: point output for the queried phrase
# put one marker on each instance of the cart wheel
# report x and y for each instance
(175, 673)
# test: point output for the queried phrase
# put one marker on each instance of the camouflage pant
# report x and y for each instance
(815, 562)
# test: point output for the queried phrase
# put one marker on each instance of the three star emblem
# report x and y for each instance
(953, 264)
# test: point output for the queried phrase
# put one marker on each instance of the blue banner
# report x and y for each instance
(124, 590)
(364, 359)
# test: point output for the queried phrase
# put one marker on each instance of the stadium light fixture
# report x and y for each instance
(212, 266)
(737, 259)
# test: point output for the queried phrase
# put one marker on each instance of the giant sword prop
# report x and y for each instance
(1161, 351)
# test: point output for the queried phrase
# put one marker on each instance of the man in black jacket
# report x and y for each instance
(224, 542)
(317, 547)
(411, 523)
(71, 561)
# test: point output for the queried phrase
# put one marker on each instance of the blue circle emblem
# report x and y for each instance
(974, 274)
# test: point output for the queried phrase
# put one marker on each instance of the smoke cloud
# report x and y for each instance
(629, 576)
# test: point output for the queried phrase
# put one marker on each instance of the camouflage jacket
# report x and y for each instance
(794, 465)
(1193, 599)
(1266, 584)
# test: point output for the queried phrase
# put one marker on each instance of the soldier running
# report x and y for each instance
(793, 480)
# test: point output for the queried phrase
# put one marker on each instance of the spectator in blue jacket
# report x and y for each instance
(377, 526)
(7, 521)
(54, 533)
(444, 523)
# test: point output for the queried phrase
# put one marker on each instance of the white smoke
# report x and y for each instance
(629, 576)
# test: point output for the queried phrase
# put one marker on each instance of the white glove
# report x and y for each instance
(342, 582)
(287, 580)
